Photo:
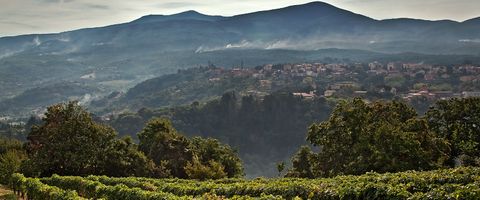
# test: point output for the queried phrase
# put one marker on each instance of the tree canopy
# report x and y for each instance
(196, 158)
(380, 136)
(70, 142)
(458, 121)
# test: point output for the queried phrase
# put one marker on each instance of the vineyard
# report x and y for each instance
(459, 183)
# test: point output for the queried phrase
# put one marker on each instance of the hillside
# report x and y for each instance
(33, 101)
(200, 84)
(122, 55)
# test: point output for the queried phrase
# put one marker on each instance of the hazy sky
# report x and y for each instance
(44, 16)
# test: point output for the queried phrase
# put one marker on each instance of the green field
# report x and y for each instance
(459, 183)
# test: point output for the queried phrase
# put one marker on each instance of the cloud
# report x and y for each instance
(18, 24)
(174, 5)
(96, 6)
(57, 1)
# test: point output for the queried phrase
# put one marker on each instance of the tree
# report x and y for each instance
(161, 143)
(10, 162)
(7, 144)
(202, 171)
(458, 121)
(125, 160)
(69, 142)
(11, 156)
(211, 150)
(302, 163)
(380, 136)
(196, 158)
(280, 168)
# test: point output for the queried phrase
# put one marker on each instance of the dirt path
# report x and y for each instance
(7, 194)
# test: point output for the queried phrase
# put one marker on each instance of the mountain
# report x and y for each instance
(474, 21)
(187, 15)
(123, 55)
(319, 24)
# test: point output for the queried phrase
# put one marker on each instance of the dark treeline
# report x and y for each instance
(263, 130)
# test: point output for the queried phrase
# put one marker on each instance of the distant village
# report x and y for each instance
(403, 80)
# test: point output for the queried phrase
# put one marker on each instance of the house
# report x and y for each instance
(467, 78)
(394, 67)
(5, 118)
(268, 67)
(329, 93)
(214, 79)
(266, 83)
(360, 93)
(258, 75)
(466, 94)
(310, 95)
(342, 85)
(444, 94)
(375, 65)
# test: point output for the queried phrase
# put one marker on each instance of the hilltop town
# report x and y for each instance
(369, 80)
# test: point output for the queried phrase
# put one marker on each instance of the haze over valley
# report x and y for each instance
(259, 82)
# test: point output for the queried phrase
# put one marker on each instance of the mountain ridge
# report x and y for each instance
(306, 5)
(122, 55)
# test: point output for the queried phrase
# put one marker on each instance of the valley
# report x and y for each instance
(307, 101)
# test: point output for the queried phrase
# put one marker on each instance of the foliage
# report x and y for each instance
(161, 142)
(459, 183)
(69, 142)
(302, 164)
(11, 157)
(10, 162)
(34, 189)
(280, 168)
(124, 159)
(380, 136)
(458, 121)
(201, 171)
(7, 144)
(212, 153)
(187, 158)
(264, 130)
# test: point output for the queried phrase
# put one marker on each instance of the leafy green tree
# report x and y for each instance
(458, 121)
(211, 150)
(196, 158)
(70, 142)
(124, 159)
(7, 144)
(380, 136)
(10, 162)
(161, 143)
(11, 156)
(280, 168)
(302, 163)
(201, 171)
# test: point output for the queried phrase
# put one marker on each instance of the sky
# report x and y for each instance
(49, 16)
